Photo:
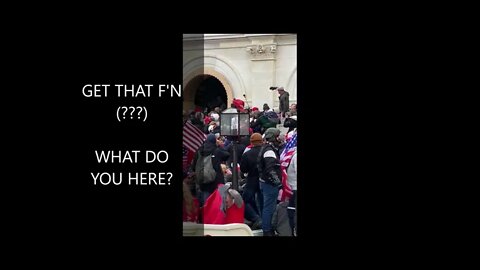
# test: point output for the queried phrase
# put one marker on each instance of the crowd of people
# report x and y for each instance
(267, 169)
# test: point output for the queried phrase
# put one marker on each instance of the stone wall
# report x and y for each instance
(246, 64)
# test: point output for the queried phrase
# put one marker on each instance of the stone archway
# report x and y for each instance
(192, 83)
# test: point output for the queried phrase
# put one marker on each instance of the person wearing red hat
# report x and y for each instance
(239, 104)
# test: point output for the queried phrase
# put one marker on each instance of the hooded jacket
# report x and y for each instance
(218, 156)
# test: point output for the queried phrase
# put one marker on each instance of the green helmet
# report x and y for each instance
(271, 133)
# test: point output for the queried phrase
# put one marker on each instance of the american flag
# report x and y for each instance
(192, 140)
(192, 137)
(285, 158)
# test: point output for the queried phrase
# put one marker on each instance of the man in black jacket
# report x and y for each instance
(218, 156)
(248, 165)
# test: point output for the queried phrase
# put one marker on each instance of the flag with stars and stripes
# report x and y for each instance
(193, 137)
(285, 158)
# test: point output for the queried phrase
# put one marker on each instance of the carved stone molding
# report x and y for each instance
(262, 51)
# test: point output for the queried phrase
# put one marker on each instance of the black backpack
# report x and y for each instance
(204, 170)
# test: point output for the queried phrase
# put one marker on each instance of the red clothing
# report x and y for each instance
(235, 214)
(239, 104)
(207, 120)
(212, 213)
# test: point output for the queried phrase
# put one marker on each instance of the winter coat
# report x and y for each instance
(215, 211)
(248, 165)
(284, 102)
(218, 156)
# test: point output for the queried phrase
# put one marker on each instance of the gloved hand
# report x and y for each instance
(275, 180)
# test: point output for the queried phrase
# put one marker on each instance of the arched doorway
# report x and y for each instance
(206, 91)
(210, 94)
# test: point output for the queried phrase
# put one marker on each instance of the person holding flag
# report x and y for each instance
(288, 166)
(193, 138)
(285, 159)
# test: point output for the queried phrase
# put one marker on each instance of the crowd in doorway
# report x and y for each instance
(267, 169)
